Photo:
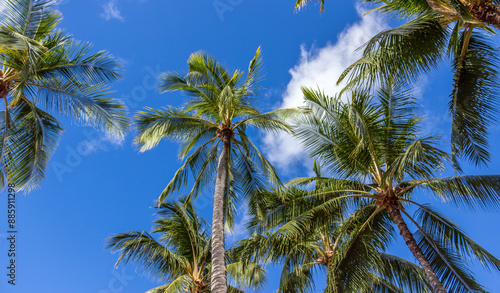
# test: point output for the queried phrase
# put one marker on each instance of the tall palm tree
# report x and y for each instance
(182, 254)
(375, 152)
(352, 256)
(45, 72)
(214, 124)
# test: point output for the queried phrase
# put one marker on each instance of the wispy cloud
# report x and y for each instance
(96, 141)
(111, 11)
(319, 68)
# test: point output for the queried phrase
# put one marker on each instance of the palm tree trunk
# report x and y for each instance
(219, 282)
(485, 12)
(415, 249)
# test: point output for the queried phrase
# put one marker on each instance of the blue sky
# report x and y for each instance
(96, 186)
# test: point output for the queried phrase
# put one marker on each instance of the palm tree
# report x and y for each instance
(375, 152)
(214, 124)
(352, 257)
(182, 254)
(45, 71)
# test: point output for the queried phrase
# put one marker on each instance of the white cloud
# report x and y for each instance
(122, 61)
(95, 141)
(319, 68)
(111, 11)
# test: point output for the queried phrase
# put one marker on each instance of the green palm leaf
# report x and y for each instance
(472, 191)
(472, 102)
(404, 52)
(442, 228)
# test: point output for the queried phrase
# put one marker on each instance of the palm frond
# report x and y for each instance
(182, 228)
(179, 285)
(403, 8)
(199, 162)
(263, 165)
(246, 275)
(32, 19)
(468, 191)
(271, 121)
(299, 4)
(85, 104)
(440, 227)
(403, 53)
(298, 280)
(172, 123)
(364, 234)
(447, 264)
(408, 276)
(73, 60)
(421, 159)
(326, 132)
(30, 145)
(141, 248)
(251, 86)
(473, 103)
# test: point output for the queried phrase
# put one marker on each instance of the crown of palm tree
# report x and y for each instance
(45, 72)
(351, 255)
(181, 256)
(218, 103)
(375, 151)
